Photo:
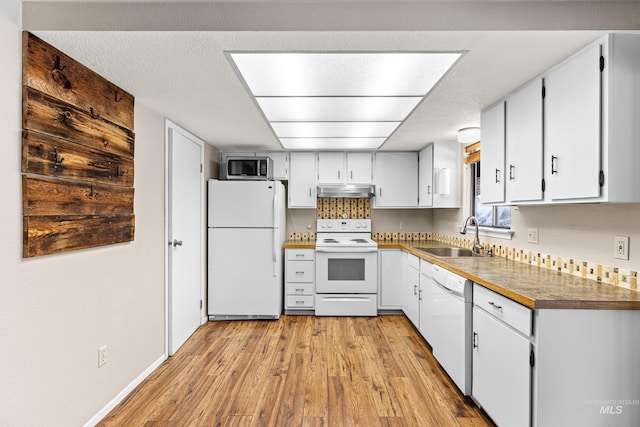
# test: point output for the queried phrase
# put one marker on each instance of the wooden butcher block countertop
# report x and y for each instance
(529, 285)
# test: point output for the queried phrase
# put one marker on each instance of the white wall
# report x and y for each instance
(583, 231)
(56, 310)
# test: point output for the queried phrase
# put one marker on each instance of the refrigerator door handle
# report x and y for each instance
(275, 232)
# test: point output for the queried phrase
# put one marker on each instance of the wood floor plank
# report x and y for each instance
(300, 371)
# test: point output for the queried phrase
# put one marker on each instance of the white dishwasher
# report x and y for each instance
(451, 317)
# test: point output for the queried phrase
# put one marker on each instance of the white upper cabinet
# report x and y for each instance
(280, 164)
(359, 168)
(439, 175)
(302, 180)
(492, 154)
(396, 179)
(425, 177)
(572, 127)
(524, 170)
(331, 168)
(344, 168)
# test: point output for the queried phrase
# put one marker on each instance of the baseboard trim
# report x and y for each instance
(128, 389)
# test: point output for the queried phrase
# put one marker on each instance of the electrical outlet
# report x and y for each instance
(621, 247)
(532, 235)
(102, 356)
(403, 225)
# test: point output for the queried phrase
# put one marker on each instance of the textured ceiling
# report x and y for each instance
(185, 75)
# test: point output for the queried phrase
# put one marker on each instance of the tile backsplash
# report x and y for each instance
(336, 208)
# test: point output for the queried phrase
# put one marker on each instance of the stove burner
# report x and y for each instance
(359, 241)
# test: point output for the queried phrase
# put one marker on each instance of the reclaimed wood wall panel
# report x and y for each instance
(53, 234)
(48, 115)
(50, 71)
(52, 196)
(47, 155)
(77, 155)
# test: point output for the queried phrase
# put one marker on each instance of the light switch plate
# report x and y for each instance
(621, 247)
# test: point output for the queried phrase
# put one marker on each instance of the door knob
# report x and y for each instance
(177, 243)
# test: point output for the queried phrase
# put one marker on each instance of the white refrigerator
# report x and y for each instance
(246, 231)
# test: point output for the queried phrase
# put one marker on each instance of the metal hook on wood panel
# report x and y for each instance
(119, 171)
(117, 98)
(94, 114)
(93, 192)
(58, 159)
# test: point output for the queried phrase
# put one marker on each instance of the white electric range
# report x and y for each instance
(346, 268)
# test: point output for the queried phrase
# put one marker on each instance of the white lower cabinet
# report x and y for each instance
(501, 364)
(390, 292)
(412, 289)
(299, 281)
(426, 301)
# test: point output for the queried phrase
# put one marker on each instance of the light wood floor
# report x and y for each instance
(300, 371)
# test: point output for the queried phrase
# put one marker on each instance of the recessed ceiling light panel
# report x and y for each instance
(343, 74)
(340, 100)
(333, 109)
(334, 129)
(332, 143)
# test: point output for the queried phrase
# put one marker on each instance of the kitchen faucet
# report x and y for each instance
(477, 247)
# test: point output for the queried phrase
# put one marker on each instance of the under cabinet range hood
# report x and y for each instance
(347, 190)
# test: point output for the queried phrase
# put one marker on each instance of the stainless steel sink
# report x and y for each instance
(449, 252)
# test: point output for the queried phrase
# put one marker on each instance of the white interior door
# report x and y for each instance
(185, 236)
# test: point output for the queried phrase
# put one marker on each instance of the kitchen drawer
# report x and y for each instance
(510, 312)
(300, 271)
(300, 254)
(426, 268)
(413, 262)
(300, 289)
(300, 301)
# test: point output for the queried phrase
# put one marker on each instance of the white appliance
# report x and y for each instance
(451, 318)
(247, 229)
(346, 268)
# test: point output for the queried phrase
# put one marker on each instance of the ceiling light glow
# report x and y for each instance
(340, 94)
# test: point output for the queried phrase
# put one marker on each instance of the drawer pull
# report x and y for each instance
(300, 302)
(299, 272)
(494, 305)
(299, 290)
(299, 255)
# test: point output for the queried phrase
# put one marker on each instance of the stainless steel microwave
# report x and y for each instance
(247, 168)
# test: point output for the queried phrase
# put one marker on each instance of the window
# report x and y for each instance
(488, 216)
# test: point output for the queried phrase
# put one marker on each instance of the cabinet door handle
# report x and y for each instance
(428, 189)
(415, 289)
(496, 306)
(420, 295)
(553, 165)
(351, 174)
(338, 174)
(380, 191)
(309, 191)
(497, 176)
(475, 340)
(511, 178)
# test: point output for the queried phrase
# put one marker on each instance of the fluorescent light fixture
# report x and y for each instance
(337, 109)
(331, 143)
(469, 135)
(334, 129)
(344, 96)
